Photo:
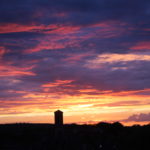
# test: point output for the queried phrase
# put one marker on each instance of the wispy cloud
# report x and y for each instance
(142, 117)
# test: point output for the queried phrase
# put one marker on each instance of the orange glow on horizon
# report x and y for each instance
(79, 108)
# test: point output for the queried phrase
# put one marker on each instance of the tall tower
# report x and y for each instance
(58, 117)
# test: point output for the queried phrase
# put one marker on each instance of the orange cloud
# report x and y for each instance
(133, 92)
(100, 60)
(57, 83)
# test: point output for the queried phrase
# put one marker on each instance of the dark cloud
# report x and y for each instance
(139, 117)
(92, 11)
(130, 20)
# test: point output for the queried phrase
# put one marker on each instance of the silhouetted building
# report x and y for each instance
(58, 117)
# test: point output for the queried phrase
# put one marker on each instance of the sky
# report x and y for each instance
(88, 58)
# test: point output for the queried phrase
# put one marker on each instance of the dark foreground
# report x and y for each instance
(102, 136)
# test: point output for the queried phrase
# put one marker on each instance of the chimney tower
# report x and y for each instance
(58, 117)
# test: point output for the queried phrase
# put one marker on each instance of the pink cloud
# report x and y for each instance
(10, 70)
(12, 27)
(72, 58)
(141, 46)
(53, 28)
(62, 36)
(46, 45)
(109, 29)
(56, 39)
(3, 51)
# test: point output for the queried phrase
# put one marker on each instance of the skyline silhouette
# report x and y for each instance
(104, 136)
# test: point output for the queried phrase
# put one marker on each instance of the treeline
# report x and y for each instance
(102, 136)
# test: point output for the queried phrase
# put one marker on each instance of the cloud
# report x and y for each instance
(138, 117)
(3, 51)
(10, 28)
(142, 46)
(10, 70)
(78, 9)
(121, 104)
(57, 83)
(100, 60)
(103, 26)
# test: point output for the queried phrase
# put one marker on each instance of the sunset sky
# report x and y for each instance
(88, 58)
